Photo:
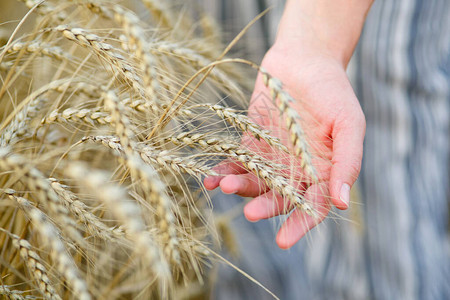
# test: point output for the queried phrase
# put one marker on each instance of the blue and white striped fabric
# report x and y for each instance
(397, 246)
(403, 67)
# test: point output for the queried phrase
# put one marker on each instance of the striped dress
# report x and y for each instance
(395, 243)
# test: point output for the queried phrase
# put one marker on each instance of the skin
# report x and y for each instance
(314, 43)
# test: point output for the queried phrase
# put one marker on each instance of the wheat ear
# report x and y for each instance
(297, 135)
(44, 9)
(160, 158)
(131, 23)
(93, 224)
(34, 179)
(29, 108)
(89, 40)
(85, 115)
(152, 186)
(254, 163)
(127, 211)
(51, 235)
(39, 47)
(13, 294)
(35, 265)
(245, 124)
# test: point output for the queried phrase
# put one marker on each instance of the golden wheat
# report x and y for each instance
(108, 124)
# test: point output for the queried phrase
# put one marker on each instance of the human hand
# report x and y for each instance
(334, 126)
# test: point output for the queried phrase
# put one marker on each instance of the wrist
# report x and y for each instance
(328, 28)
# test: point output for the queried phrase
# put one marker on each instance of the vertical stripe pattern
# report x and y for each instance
(404, 89)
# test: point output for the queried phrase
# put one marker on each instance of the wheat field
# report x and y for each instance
(109, 121)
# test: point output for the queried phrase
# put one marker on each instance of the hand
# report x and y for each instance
(334, 124)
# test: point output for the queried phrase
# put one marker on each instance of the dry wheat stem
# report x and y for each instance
(51, 235)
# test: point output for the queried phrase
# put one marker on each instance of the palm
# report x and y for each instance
(331, 118)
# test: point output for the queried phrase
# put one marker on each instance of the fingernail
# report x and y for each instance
(345, 194)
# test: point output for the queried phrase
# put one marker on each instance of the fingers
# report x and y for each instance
(265, 206)
(225, 167)
(348, 136)
(245, 185)
(299, 222)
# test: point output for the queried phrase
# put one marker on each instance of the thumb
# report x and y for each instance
(348, 136)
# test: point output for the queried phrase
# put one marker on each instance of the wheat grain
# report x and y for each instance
(12, 294)
(40, 47)
(88, 116)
